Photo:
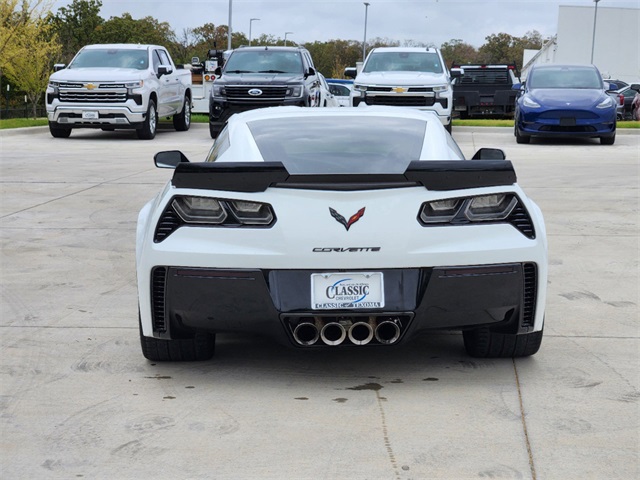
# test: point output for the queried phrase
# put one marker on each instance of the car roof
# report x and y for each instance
(404, 49)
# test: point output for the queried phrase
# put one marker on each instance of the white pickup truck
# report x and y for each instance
(118, 86)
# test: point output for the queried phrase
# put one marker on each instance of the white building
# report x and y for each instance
(615, 50)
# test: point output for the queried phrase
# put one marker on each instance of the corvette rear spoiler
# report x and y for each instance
(258, 176)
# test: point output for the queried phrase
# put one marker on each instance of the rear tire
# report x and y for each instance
(482, 342)
(150, 125)
(199, 348)
(182, 120)
(608, 140)
(59, 132)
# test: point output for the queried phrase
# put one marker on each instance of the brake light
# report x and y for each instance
(621, 99)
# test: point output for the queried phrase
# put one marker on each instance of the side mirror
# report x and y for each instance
(217, 72)
(457, 72)
(169, 159)
(489, 154)
(195, 61)
(164, 70)
(310, 73)
(350, 72)
(635, 86)
(58, 66)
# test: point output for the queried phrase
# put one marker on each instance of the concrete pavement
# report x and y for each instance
(78, 400)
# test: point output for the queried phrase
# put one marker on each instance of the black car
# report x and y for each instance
(256, 77)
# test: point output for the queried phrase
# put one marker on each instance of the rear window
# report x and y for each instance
(485, 76)
(340, 144)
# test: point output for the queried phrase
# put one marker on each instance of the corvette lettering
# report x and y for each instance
(345, 250)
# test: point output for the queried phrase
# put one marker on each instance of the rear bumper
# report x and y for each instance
(273, 302)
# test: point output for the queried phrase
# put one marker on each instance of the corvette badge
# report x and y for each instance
(353, 219)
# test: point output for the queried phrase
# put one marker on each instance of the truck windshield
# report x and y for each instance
(565, 77)
(264, 61)
(111, 58)
(403, 62)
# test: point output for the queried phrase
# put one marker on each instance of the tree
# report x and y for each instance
(77, 25)
(27, 53)
(125, 29)
(455, 50)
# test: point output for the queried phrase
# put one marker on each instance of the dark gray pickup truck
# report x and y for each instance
(485, 91)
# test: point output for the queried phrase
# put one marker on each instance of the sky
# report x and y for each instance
(424, 21)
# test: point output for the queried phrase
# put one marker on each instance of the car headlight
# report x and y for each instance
(294, 91)
(218, 90)
(606, 103)
(53, 84)
(527, 102)
(136, 84)
(441, 89)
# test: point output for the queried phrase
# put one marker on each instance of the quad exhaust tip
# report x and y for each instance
(358, 330)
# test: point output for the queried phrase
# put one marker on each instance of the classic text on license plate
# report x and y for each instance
(348, 290)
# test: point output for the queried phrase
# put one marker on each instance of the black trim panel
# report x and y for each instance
(435, 175)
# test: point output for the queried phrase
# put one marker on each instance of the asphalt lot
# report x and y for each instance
(78, 400)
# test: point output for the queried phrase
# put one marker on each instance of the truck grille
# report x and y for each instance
(241, 92)
(86, 96)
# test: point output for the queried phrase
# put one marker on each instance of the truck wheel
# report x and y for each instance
(59, 132)
(482, 342)
(148, 130)
(520, 138)
(200, 347)
(182, 120)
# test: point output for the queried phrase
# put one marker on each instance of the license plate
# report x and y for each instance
(90, 115)
(347, 290)
(567, 122)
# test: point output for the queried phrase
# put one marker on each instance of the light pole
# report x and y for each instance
(285, 37)
(364, 42)
(229, 26)
(251, 20)
(593, 39)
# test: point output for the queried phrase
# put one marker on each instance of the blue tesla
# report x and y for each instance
(564, 101)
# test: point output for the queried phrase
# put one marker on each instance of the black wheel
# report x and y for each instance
(148, 130)
(519, 137)
(449, 127)
(199, 348)
(482, 342)
(608, 140)
(214, 130)
(182, 120)
(59, 132)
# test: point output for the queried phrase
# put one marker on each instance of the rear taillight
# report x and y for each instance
(621, 99)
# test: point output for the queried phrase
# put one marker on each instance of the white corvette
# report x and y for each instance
(340, 227)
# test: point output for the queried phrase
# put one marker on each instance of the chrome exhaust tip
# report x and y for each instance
(361, 333)
(333, 333)
(388, 331)
(306, 333)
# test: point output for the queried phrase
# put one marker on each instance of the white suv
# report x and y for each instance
(406, 77)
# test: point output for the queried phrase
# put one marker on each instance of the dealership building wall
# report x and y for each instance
(615, 51)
